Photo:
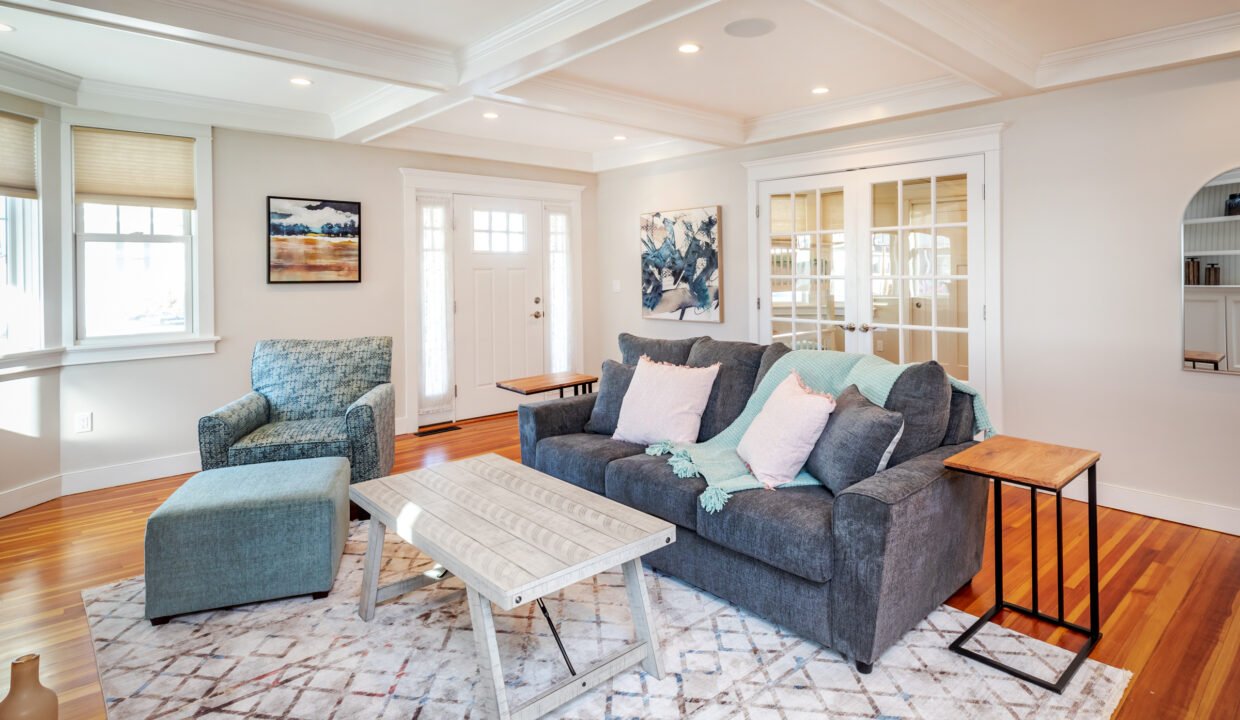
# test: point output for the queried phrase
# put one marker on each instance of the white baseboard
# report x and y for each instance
(404, 426)
(1166, 507)
(112, 475)
(29, 495)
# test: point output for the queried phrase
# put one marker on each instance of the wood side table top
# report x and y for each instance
(536, 384)
(510, 532)
(1024, 461)
(1204, 356)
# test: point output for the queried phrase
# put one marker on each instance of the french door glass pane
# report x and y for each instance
(781, 332)
(885, 201)
(781, 215)
(831, 216)
(781, 256)
(919, 302)
(952, 304)
(918, 345)
(919, 252)
(953, 249)
(831, 300)
(806, 216)
(951, 201)
(806, 255)
(806, 337)
(887, 344)
(915, 208)
(832, 338)
(806, 299)
(954, 354)
(884, 301)
(781, 297)
(882, 253)
(833, 250)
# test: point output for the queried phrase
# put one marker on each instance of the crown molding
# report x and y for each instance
(652, 152)
(379, 105)
(441, 143)
(37, 82)
(964, 26)
(1190, 42)
(925, 96)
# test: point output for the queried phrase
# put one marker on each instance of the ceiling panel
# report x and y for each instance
(748, 77)
(1046, 26)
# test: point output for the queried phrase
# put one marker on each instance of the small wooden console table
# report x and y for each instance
(1039, 467)
(537, 384)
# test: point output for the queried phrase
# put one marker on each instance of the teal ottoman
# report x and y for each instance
(248, 533)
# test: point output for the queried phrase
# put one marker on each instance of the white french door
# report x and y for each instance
(499, 321)
(887, 260)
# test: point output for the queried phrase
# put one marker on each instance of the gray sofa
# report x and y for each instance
(853, 571)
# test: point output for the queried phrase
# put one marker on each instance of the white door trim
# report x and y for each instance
(983, 140)
(417, 182)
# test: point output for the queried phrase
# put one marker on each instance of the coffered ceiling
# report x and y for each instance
(581, 84)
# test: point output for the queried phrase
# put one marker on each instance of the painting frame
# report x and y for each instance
(708, 224)
(273, 271)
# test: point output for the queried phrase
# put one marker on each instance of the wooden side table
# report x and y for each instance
(1039, 467)
(1213, 359)
(537, 384)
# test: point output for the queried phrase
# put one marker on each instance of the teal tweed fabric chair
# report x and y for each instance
(310, 398)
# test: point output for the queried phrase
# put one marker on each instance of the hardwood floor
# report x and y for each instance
(1170, 593)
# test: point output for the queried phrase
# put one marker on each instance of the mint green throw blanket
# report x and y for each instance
(823, 370)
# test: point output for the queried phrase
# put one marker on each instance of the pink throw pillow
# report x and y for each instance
(780, 439)
(664, 402)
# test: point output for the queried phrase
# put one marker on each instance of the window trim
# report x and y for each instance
(200, 338)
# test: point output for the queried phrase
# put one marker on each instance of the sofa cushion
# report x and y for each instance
(647, 483)
(581, 458)
(770, 355)
(857, 443)
(788, 528)
(738, 366)
(665, 402)
(676, 352)
(781, 437)
(292, 440)
(960, 421)
(612, 385)
(922, 394)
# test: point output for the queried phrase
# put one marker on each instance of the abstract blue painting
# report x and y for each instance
(681, 276)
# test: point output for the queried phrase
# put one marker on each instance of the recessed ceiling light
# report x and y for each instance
(301, 81)
(749, 27)
(620, 137)
(490, 115)
(689, 48)
(6, 28)
(821, 90)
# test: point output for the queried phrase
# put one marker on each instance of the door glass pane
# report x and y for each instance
(952, 304)
(832, 338)
(918, 345)
(919, 304)
(781, 256)
(806, 212)
(951, 199)
(954, 354)
(919, 252)
(806, 337)
(885, 198)
(831, 216)
(781, 215)
(831, 300)
(916, 206)
(781, 298)
(482, 242)
(499, 220)
(887, 344)
(953, 251)
(482, 220)
(882, 253)
(833, 254)
(884, 301)
(805, 299)
(781, 332)
(806, 255)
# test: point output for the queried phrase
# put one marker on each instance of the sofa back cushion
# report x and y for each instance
(612, 385)
(304, 379)
(923, 395)
(738, 367)
(675, 352)
(859, 441)
(773, 352)
(960, 419)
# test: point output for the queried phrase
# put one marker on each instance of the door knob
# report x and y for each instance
(536, 314)
(865, 327)
(537, 300)
(850, 327)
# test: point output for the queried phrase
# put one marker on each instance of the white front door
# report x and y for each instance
(500, 309)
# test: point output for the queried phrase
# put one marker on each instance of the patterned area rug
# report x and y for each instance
(317, 660)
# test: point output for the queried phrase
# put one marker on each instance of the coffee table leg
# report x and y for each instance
(494, 694)
(643, 618)
(370, 571)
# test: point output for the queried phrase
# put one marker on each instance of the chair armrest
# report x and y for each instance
(561, 416)
(371, 423)
(904, 541)
(218, 430)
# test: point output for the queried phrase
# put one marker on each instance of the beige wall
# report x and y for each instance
(1094, 182)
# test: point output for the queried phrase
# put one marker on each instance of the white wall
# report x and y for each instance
(1095, 182)
(146, 412)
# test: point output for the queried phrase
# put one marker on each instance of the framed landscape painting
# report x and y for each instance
(681, 274)
(313, 241)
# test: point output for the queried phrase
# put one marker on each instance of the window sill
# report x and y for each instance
(89, 354)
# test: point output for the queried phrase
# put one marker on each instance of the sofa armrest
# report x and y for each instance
(562, 416)
(371, 424)
(904, 541)
(218, 430)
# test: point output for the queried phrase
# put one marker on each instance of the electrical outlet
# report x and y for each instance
(878, 346)
(84, 422)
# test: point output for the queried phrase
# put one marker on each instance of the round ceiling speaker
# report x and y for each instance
(749, 27)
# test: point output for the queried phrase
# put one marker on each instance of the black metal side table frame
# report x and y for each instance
(1093, 633)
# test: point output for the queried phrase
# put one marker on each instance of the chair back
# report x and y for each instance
(304, 379)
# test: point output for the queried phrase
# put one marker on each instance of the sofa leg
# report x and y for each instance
(161, 620)
(864, 668)
(319, 595)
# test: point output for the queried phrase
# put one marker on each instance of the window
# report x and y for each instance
(20, 303)
(135, 220)
(558, 280)
(496, 231)
(436, 388)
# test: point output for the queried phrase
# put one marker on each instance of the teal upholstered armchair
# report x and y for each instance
(310, 398)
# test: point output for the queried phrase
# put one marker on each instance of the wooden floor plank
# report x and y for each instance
(1171, 593)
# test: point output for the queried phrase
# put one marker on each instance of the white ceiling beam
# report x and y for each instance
(262, 32)
(949, 34)
(588, 101)
(441, 143)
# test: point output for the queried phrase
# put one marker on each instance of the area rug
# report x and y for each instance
(317, 660)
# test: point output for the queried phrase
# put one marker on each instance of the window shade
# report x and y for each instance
(17, 157)
(129, 168)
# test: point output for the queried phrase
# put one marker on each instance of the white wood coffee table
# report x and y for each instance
(513, 535)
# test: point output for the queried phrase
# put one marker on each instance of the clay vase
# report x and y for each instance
(28, 699)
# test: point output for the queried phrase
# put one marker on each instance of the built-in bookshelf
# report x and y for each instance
(1209, 235)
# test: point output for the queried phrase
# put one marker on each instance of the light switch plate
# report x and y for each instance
(84, 422)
